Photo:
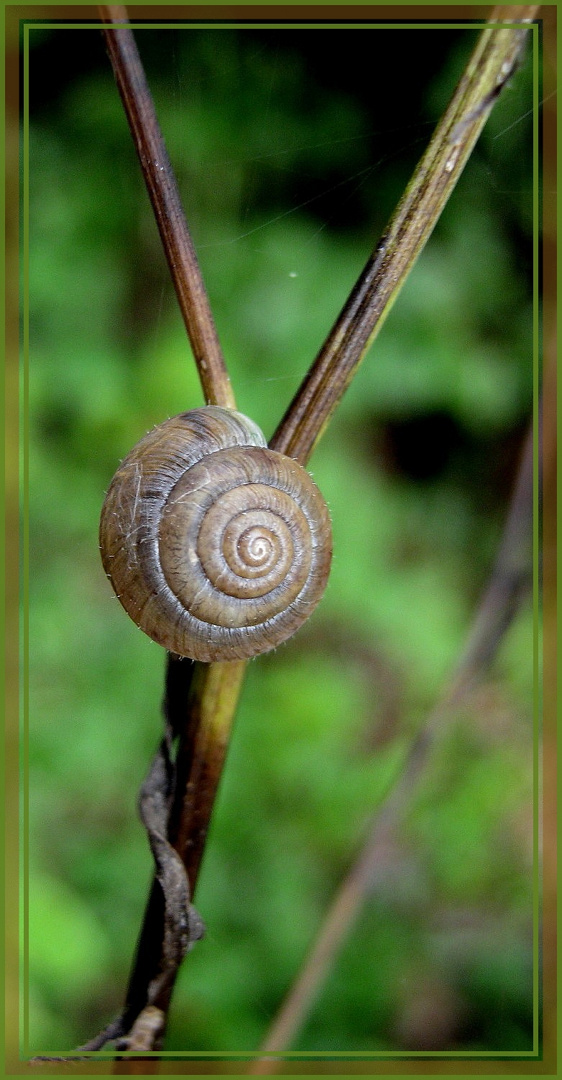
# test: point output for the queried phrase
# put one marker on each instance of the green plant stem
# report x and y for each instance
(493, 61)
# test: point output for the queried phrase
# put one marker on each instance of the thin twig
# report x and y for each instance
(164, 196)
(510, 581)
(491, 65)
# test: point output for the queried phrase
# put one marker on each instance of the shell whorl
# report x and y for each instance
(217, 547)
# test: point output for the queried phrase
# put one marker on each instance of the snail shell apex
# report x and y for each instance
(217, 547)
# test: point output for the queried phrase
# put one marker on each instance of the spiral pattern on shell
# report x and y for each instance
(216, 546)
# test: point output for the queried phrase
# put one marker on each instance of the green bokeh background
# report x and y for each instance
(291, 149)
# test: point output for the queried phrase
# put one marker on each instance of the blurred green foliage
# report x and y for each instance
(291, 151)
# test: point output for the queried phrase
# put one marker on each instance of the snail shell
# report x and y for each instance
(216, 546)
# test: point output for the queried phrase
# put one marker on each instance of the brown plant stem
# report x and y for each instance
(204, 697)
(199, 762)
(509, 582)
(164, 196)
(194, 304)
(203, 718)
(491, 65)
(204, 721)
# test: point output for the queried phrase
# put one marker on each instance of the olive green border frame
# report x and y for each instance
(315, 19)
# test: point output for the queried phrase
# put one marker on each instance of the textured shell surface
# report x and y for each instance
(216, 546)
